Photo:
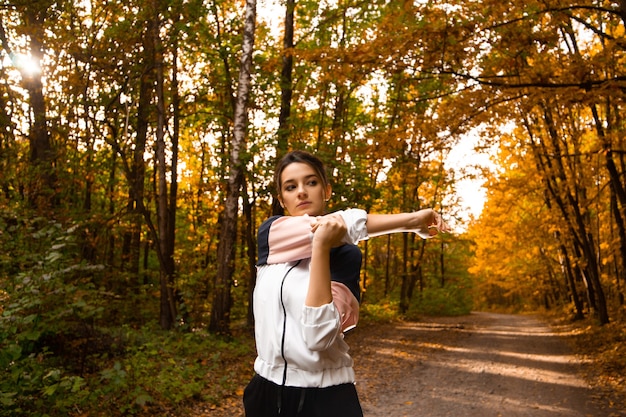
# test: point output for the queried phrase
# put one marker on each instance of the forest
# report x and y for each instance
(138, 141)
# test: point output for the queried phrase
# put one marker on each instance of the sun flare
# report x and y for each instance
(27, 65)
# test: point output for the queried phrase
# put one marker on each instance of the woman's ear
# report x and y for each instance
(329, 191)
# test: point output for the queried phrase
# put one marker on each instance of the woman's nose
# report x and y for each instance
(301, 189)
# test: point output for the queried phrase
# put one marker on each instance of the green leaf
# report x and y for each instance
(6, 398)
(143, 399)
(54, 256)
(9, 354)
(50, 390)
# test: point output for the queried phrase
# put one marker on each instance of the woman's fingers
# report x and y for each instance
(330, 228)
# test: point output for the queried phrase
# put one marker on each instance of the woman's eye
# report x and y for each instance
(313, 182)
(290, 187)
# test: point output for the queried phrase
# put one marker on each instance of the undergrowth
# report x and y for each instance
(155, 373)
(603, 348)
(65, 349)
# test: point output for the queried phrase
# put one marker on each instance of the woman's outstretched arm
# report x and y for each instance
(426, 223)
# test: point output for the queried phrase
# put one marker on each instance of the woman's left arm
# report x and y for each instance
(288, 238)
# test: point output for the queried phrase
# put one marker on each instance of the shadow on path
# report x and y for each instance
(479, 365)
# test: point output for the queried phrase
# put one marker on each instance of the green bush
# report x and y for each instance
(383, 310)
(165, 370)
(451, 300)
(49, 299)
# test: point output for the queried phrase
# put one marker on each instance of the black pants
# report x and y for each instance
(263, 398)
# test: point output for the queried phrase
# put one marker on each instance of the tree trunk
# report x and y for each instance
(132, 239)
(404, 288)
(168, 311)
(583, 237)
(220, 311)
(571, 282)
(557, 184)
(566, 266)
(286, 92)
(620, 274)
(286, 88)
(415, 273)
(173, 197)
(617, 190)
(248, 209)
(387, 266)
(442, 263)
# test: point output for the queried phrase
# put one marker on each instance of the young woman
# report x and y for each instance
(307, 295)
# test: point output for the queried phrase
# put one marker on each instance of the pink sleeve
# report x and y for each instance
(290, 239)
(347, 304)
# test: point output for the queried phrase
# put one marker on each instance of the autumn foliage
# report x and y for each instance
(122, 140)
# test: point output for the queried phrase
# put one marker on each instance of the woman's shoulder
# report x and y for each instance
(268, 222)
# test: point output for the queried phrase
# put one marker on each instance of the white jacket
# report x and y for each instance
(299, 345)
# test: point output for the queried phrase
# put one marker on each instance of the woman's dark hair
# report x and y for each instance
(304, 157)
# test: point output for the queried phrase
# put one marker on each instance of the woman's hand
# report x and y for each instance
(429, 223)
(328, 231)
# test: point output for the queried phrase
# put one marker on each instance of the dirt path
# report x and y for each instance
(479, 365)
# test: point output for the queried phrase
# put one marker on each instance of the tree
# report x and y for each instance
(570, 196)
(537, 72)
(166, 202)
(220, 312)
(286, 93)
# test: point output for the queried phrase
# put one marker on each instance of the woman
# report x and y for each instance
(307, 295)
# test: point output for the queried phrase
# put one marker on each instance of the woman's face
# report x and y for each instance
(302, 190)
